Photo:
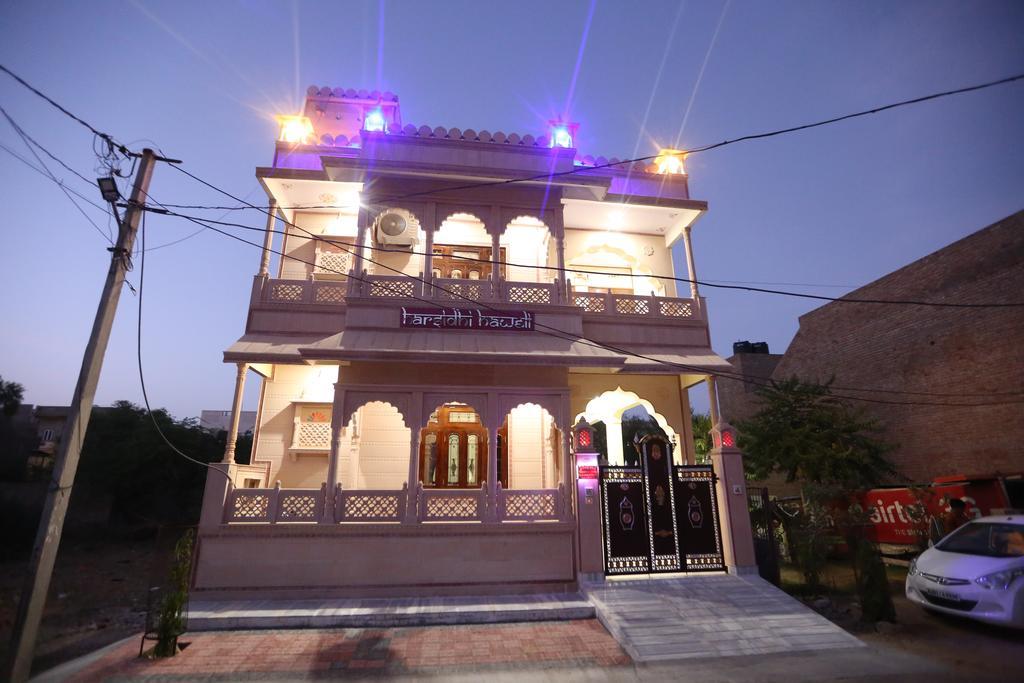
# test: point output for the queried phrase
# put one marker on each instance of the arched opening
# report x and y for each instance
(611, 267)
(462, 249)
(374, 448)
(528, 244)
(453, 448)
(620, 419)
(529, 449)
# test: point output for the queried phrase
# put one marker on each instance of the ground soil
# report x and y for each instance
(97, 595)
(973, 651)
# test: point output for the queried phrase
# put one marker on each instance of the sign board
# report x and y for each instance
(586, 472)
(466, 319)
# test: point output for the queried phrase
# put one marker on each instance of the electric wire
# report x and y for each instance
(562, 334)
(111, 144)
(138, 355)
(461, 296)
(706, 148)
(28, 143)
(587, 169)
(703, 283)
(59, 182)
(917, 100)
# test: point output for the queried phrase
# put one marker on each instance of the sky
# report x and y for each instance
(821, 211)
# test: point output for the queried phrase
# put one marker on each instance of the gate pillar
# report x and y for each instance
(588, 506)
(737, 535)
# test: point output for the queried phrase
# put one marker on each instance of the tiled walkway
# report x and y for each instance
(711, 615)
(322, 653)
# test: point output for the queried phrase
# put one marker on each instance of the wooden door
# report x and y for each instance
(453, 455)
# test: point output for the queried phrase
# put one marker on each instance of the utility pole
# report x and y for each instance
(44, 552)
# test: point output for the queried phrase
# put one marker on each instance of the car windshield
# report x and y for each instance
(991, 539)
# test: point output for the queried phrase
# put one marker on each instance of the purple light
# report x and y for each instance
(561, 137)
(374, 122)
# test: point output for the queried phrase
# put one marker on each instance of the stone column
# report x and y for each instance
(496, 261)
(560, 279)
(337, 427)
(687, 449)
(236, 413)
(713, 399)
(415, 421)
(428, 267)
(691, 268)
(731, 494)
(358, 262)
(613, 437)
(268, 239)
(493, 475)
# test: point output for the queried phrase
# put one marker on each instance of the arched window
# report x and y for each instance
(453, 458)
(430, 440)
(472, 450)
(474, 275)
(456, 274)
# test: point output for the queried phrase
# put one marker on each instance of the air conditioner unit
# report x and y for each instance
(395, 228)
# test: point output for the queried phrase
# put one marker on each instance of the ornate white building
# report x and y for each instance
(446, 306)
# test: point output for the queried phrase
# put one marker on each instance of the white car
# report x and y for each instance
(975, 572)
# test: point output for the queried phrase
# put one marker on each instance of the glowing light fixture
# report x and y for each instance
(670, 162)
(374, 122)
(296, 130)
(562, 133)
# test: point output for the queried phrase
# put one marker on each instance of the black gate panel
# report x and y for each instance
(627, 547)
(700, 537)
(656, 458)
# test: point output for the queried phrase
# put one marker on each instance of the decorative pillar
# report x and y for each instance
(687, 449)
(560, 279)
(712, 383)
(337, 427)
(731, 493)
(268, 239)
(691, 268)
(428, 262)
(358, 262)
(613, 437)
(236, 413)
(416, 422)
(493, 475)
(588, 507)
(496, 261)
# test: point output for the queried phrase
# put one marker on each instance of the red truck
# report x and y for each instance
(901, 515)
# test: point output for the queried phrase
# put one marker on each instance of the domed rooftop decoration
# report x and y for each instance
(389, 101)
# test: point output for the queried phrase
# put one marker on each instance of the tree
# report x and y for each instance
(808, 435)
(701, 435)
(126, 459)
(11, 394)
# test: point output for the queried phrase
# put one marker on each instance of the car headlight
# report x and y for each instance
(913, 567)
(999, 580)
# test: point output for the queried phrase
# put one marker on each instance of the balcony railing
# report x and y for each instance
(278, 506)
(459, 292)
(311, 436)
(274, 506)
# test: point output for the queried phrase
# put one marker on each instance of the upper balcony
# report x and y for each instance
(382, 219)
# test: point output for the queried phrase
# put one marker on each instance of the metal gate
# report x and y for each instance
(659, 517)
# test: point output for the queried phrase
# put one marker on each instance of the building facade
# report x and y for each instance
(445, 306)
(922, 352)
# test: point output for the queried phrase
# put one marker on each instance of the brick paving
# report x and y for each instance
(327, 653)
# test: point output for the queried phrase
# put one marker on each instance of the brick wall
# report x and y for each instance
(928, 349)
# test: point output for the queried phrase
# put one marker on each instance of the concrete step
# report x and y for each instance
(209, 615)
(714, 615)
